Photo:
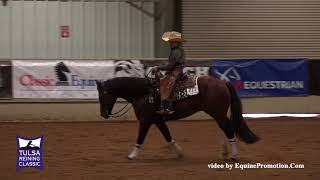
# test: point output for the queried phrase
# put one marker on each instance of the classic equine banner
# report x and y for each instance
(59, 79)
(76, 78)
(274, 77)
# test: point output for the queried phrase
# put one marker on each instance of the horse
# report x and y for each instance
(215, 97)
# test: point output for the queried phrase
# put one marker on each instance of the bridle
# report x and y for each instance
(119, 113)
(122, 111)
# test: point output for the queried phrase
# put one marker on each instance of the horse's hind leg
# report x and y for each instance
(143, 130)
(164, 130)
(225, 124)
(166, 134)
(230, 140)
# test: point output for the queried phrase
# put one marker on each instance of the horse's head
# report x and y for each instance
(106, 99)
(62, 67)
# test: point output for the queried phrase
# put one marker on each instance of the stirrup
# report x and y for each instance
(165, 112)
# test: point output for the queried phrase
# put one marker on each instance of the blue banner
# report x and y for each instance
(255, 77)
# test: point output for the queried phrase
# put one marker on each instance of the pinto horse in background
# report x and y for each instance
(214, 97)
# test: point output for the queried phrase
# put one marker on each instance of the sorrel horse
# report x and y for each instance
(214, 98)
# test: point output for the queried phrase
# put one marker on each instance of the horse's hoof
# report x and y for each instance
(132, 157)
(225, 155)
(134, 154)
(180, 156)
(234, 159)
(177, 149)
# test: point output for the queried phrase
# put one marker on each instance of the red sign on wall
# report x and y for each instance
(64, 31)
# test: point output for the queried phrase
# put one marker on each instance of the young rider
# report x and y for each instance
(173, 70)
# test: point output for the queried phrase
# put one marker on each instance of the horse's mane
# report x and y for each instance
(128, 86)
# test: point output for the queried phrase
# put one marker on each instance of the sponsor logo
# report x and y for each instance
(29, 153)
(30, 80)
(273, 84)
(233, 76)
(62, 71)
(129, 68)
(64, 77)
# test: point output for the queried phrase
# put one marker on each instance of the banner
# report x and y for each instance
(5, 80)
(314, 71)
(141, 68)
(59, 79)
(264, 77)
(76, 78)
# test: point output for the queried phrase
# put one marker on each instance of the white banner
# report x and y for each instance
(59, 78)
(64, 79)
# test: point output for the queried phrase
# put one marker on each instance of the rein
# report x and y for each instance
(115, 115)
(123, 111)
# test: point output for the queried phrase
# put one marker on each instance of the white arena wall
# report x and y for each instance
(97, 29)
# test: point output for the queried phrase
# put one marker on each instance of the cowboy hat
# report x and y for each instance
(172, 36)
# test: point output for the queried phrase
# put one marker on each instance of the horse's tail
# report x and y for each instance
(238, 123)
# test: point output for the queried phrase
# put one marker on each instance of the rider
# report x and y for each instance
(174, 68)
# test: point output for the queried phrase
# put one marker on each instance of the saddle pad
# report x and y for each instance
(182, 92)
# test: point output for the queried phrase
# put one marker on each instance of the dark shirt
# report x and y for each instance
(176, 59)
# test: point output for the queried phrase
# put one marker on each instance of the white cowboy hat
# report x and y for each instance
(172, 36)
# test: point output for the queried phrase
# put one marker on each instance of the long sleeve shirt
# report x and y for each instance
(176, 59)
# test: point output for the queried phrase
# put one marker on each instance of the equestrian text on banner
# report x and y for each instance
(283, 77)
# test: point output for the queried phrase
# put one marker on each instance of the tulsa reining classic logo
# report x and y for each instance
(29, 152)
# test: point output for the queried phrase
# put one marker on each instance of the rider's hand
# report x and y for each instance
(155, 69)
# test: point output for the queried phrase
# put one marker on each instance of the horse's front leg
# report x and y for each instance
(143, 130)
(166, 134)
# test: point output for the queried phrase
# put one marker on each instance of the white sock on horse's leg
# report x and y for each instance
(234, 150)
(176, 148)
(135, 152)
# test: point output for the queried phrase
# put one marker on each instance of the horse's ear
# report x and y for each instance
(98, 82)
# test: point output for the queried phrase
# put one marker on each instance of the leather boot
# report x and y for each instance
(166, 107)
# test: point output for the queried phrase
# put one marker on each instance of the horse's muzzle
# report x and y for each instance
(105, 115)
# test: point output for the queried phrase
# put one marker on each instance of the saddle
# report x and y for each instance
(186, 86)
